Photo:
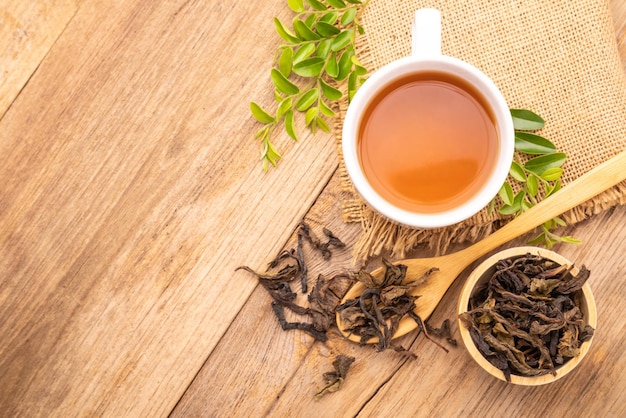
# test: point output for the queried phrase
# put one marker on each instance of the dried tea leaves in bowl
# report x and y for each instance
(527, 319)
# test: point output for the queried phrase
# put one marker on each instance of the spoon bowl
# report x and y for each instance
(450, 266)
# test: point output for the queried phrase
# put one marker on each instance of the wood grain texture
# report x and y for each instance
(277, 373)
(28, 29)
(132, 189)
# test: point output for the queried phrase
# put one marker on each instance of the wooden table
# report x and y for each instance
(132, 189)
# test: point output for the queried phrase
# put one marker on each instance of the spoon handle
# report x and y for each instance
(579, 191)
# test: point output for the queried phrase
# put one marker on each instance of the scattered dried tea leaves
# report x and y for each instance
(527, 319)
(318, 317)
(442, 332)
(334, 379)
(381, 306)
(377, 313)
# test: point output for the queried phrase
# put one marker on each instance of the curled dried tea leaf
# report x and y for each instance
(334, 379)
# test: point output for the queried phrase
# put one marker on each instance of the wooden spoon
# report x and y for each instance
(450, 266)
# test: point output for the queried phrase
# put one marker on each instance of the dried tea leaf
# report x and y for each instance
(333, 380)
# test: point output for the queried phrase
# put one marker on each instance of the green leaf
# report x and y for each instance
(282, 84)
(330, 18)
(323, 49)
(345, 64)
(552, 174)
(285, 33)
(310, 21)
(360, 70)
(519, 198)
(337, 4)
(342, 40)
(332, 68)
(571, 240)
(290, 125)
(310, 67)
(491, 207)
(326, 29)
(296, 5)
(326, 110)
(303, 31)
(270, 154)
(506, 193)
(348, 16)
(517, 172)
(330, 92)
(316, 5)
(551, 189)
(262, 133)
(303, 52)
(533, 144)
(539, 239)
(283, 107)
(525, 120)
(532, 186)
(285, 62)
(507, 210)
(321, 123)
(310, 115)
(542, 163)
(354, 1)
(260, 114)
(307, 100)
(352, 85)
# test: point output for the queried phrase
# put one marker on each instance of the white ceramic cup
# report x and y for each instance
(426, 57)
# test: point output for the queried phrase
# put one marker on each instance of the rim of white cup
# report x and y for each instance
(442, 64)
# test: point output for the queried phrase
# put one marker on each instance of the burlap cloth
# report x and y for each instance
(558, 58)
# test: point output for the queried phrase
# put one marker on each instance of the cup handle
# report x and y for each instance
(426, 33)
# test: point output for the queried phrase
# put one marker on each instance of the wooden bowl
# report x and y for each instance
(482, 274)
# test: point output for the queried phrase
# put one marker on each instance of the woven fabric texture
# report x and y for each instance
(558, 58)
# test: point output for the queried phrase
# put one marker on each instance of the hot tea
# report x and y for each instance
(428, 142)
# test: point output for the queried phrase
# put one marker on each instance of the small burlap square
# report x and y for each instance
(558, 58)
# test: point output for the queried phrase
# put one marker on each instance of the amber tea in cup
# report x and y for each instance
(428, 142)
(428, 139)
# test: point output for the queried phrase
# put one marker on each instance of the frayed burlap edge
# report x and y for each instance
(380, 235)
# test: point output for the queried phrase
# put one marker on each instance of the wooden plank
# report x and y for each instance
(28, 29)
(245, 379)
(465, 389)
(276, 373)
(131, 191)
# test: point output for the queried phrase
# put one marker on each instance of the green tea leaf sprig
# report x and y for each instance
(310, 69)
(538, 175)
